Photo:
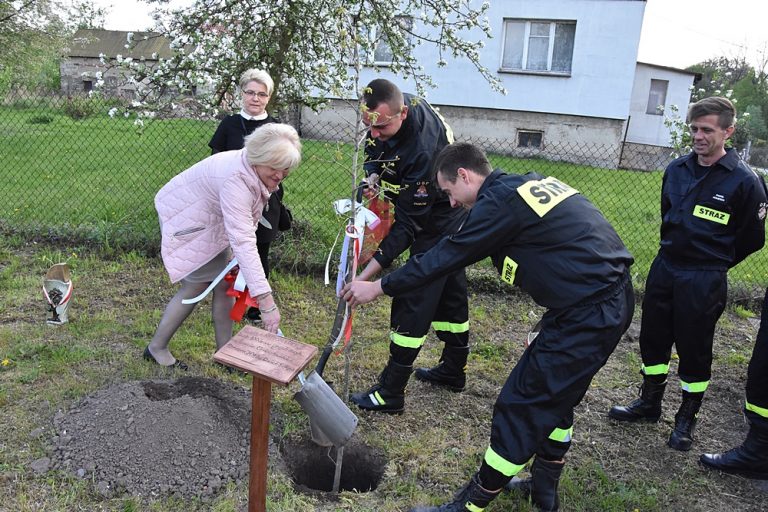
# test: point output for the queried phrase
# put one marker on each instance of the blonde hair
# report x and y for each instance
(257, 75)
(274, 145)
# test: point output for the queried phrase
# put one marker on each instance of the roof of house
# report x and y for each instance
(94, 42)
(669, 68)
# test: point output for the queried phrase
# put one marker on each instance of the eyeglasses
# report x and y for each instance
(251, 94)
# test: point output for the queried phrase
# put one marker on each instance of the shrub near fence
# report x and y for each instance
(77, 174)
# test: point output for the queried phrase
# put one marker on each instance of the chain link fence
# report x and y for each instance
(74, 174)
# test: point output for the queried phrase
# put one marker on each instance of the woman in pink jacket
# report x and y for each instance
(209, 212)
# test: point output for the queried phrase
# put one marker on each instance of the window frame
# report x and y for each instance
(526, 44)
(656, 111)
(370, 59)
(529, 132)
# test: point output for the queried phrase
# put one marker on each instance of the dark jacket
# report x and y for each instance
(715, 221)
(232, 130)
(229, 135)
(423, 213)
(542, 236)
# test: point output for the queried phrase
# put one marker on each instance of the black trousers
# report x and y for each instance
(263, 248)
(554, 374)
(681, 307)
(442, 304)
(757, 375)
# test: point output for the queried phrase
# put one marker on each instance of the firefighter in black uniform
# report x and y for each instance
(406, 134)
(713, 216)
(549, 240)
(750, 459)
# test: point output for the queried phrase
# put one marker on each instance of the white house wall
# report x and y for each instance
(647, 128)
(581, 116)
(603, 66)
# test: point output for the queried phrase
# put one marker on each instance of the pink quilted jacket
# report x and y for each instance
(214, 204)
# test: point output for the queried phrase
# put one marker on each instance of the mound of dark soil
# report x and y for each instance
(186, 437)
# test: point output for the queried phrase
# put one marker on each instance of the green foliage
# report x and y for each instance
(80, 107)
(742, 312)
(41, 119)
(756, 122)
(745, 85)
(33, 34)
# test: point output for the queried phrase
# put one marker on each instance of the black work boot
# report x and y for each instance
(541, 487)
(648, 406)
(388, 395)
(685, 422)
(470, 497)
(450, 372)
(750, 459)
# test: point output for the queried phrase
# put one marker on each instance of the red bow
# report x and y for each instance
(243, 299)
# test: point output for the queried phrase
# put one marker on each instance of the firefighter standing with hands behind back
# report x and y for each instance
(712, 217)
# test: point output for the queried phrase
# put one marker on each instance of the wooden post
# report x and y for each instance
(257, 483)
(270, 359)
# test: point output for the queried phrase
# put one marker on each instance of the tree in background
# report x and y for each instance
(734, 78)
(311, 48)
(32, 36)
(744, 84)
(756, 122)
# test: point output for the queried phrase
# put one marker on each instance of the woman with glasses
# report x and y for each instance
(256, 87)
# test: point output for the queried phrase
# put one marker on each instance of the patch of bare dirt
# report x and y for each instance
(186, 437)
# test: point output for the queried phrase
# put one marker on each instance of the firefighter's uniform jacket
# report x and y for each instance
(549, 240)
(423, 215)
(712, 218)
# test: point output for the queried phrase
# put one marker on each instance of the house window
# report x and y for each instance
(657, 98)
(538, 46)
(382, 52)
(529, 138)
(87, 85)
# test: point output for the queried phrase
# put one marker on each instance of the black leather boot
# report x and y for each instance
(387, 395)
(470, 497)
(685, 422)
(750, 459)
(648, 406)
(450, 372)
(541, 487)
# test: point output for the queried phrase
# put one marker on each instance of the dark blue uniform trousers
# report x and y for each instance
(757, 375)
(554, 374)
(681, 307)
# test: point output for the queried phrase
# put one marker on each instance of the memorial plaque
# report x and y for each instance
(266, 355)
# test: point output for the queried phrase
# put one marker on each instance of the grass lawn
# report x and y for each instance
(430, 450)
(96, 178)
